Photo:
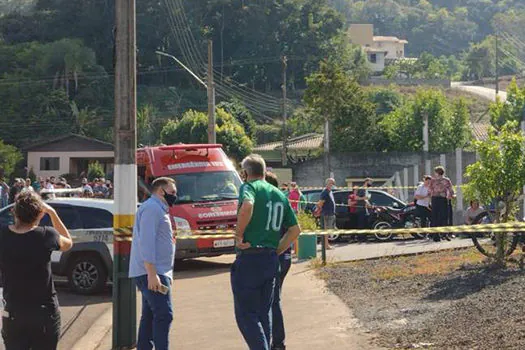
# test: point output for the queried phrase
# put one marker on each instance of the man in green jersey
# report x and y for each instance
(263, 210)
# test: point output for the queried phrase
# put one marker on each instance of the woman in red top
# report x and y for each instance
(352, 207)
(294, 197)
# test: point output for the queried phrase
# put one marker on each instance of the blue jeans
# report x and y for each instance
(253, 282)
(157, 314)
(278, 333)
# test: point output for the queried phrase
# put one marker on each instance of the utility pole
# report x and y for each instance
(327, 148)
(211, 96)
(125, 178)
(497, 64)
(285, 117)
(426, 142)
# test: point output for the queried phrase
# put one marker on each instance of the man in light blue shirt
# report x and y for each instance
(151, 264)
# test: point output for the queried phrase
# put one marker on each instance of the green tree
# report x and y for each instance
(385, 99)
(499, 175)
(511, 110)
(10, 156)
(149, 125)
(193, 128)
(95, 171)
(241, 114)
(334, 96)
(448, 123)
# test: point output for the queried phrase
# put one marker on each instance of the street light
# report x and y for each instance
(210, 87)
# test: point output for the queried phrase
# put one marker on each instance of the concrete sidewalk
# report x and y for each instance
(204, 319)
(371, 250)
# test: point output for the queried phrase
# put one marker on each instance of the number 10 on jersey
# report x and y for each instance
(275, 215)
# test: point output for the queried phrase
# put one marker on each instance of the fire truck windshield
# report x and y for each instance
(207, 186)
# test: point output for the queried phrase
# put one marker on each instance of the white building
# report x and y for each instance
(380, 49)
(69, 154)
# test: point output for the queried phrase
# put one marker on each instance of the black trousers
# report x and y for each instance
(440, 212)
(424, 214)
(31, 329)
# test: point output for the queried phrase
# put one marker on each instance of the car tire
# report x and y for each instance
(333, 238)
(382, 225)
(87, 274)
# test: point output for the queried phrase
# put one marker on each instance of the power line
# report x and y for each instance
(188, 37)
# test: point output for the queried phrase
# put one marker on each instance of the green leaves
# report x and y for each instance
(500, 171)
(511, 110)
(193, 128)
(334, 95)
(448, 123)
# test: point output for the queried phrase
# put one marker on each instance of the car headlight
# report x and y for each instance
(182, 226)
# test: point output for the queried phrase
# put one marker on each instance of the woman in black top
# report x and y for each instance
(31, 318)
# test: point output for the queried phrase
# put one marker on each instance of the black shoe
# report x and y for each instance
(278, 347)
(436, 238)
(447, 237)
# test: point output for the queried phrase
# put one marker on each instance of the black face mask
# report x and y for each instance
(170, 198)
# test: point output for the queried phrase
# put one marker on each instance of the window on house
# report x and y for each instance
(373, 58)
(51, 163)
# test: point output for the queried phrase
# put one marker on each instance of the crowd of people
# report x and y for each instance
(51, 187)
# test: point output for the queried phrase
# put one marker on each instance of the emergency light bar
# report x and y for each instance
(189, 147)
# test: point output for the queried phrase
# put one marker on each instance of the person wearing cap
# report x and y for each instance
(263, 211)
(327, 205)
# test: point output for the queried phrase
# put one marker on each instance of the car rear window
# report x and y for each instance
(95, 217)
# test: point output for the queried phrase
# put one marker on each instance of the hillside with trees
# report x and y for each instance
(57, 64)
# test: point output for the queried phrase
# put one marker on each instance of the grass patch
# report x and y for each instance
(426, 264)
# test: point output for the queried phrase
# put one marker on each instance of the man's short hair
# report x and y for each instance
(369, 180)
(271, 178)
(254, 165)
(161, 182)
(439, 170)
(327, 181)
(427, 177)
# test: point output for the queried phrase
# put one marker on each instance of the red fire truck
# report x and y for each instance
(207, 190)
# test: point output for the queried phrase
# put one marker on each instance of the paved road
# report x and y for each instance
(78, 313)
(204, 317)
(487, 93)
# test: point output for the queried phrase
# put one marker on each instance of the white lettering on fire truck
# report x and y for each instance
(217, 214)
(189, 165)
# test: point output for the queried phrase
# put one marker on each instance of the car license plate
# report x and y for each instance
(223, 243)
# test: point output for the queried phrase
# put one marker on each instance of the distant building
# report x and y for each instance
(381, 50)
(69, 154)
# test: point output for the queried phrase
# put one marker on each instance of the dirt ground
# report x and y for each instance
(434, 300)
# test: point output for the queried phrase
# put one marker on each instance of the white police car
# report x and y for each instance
(89, 264)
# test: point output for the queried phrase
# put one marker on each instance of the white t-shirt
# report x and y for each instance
(422, 190)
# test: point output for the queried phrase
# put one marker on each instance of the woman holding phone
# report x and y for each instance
(31, 316)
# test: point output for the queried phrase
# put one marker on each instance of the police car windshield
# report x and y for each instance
(207, 186)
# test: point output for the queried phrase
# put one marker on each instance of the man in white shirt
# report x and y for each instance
(423, 200)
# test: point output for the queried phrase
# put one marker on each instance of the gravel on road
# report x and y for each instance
(432, 301)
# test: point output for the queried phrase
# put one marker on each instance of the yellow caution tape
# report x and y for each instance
(516, 227)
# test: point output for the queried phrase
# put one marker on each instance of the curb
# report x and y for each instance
(96, 333)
